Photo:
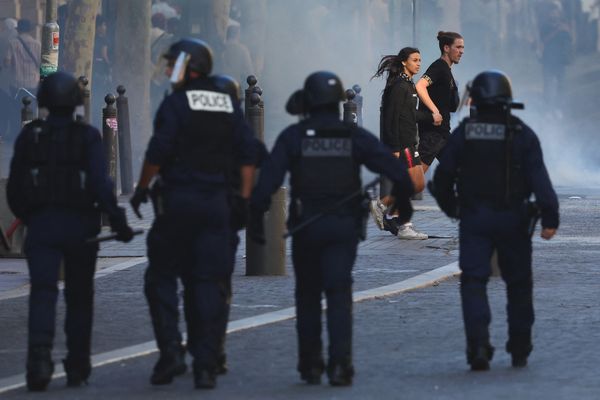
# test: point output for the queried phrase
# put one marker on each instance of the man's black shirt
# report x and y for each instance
(444, 93)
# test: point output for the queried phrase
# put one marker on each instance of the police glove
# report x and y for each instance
(256, 226)
(239, 212)
(118, 224)
(139, 196)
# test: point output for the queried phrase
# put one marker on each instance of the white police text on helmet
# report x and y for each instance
(205, 100)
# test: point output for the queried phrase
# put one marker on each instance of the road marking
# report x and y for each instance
(417, 282)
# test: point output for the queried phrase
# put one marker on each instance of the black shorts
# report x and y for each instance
(431, 144)
(411, 156)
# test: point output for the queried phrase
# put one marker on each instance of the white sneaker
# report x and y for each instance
(407, 232)
(377, 212)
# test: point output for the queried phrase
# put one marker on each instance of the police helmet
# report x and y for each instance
(201, 58)
(491, 88)
(228, 85)
(323, 88)
(295, 104)
(59, 90)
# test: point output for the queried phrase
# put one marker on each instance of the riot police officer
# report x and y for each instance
(199, 132)
(492, 165)
(323, 155)
(57, 187)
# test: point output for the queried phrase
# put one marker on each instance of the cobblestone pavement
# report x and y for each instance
(406, 346)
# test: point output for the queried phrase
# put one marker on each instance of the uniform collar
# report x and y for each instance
(59, 120)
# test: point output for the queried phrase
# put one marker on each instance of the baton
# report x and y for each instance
(334, 207)
(112, 236)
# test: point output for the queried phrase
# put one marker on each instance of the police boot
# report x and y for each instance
(204, 378)
(340, 373)
(311, 371)
(479, 356)
(77, 370)
(519, 349)
(39, 368)
(170, 364)
(222, 364)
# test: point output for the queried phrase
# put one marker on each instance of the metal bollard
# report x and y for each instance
(350, 112)
(358, 99)
(251, 81)
(270, 258)
(109, 131)
(83, 82)
(124, 136)
(26, 112)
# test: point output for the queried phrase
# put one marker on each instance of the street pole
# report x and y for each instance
(414, 22)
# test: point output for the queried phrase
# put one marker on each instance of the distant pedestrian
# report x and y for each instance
(490, 168)
(398, 130)
(101, 70)
(7, 32)
(160, 40)
(57, 187)
(22, 61)
(438, 92)
(237, 61)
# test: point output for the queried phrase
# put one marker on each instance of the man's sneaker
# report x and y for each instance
(407, 232)
(377, 212)
(391, 224)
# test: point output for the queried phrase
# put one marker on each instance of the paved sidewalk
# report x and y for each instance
(14, 280)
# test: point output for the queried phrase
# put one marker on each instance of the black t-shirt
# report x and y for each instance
(444, 93)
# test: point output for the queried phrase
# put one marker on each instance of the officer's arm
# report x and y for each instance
(444, 177)
(246, 152)
(545, 195)
(14, 187)
(162, 145)
(272, 173)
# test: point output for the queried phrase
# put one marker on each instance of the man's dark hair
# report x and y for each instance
(447, 38)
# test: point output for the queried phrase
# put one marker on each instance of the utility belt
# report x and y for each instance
(303, 208)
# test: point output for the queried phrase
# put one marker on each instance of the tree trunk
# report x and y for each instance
(77, 38)
(132, 68)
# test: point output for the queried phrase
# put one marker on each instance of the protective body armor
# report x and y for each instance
(491, 170)
(56, 167)
(206, 141)
(326, 168)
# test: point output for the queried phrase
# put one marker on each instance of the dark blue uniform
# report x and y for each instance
(324, 156)
(57, 180)
(199, 134)
(496, 168)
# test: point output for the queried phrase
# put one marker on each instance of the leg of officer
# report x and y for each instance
(336, 266)
(514, 258)
(309, 287)
(474, 261)
(206, 295)
(43, 261)
(80, 265)
(160, 287)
